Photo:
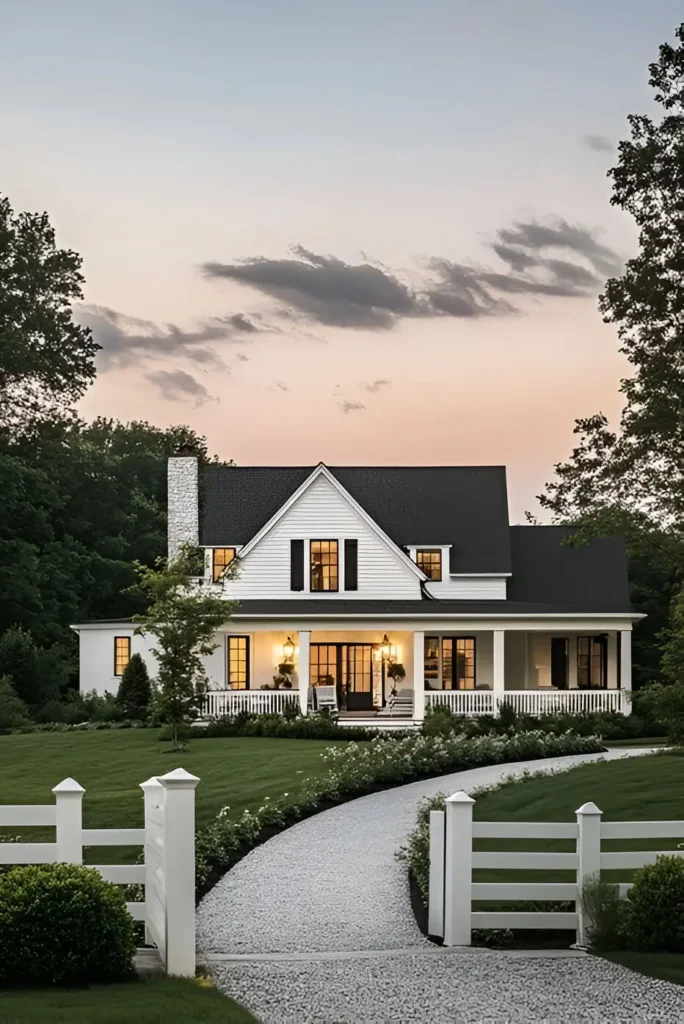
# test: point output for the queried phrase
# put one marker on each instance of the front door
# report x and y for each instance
(359, 676)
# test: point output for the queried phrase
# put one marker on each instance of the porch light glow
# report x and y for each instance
(386, 647)
(288, 649)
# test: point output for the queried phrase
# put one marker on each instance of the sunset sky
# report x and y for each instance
(356, 231)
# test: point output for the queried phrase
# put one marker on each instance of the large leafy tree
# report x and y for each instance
(46, 360)
(631, 480)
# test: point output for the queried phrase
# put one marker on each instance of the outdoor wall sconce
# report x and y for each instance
(386, 647)
(288, 649)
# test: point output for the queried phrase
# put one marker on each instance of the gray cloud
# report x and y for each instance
(601, 143)
(242, 357)
(377, 385)
(177, 385)
(347, 407)
(552, 259)
(126, 340)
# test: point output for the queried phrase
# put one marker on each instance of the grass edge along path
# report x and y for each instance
(142, 1002)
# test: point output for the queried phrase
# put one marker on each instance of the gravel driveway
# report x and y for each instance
(316, 925)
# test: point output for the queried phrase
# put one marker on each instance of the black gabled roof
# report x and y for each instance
(545, 569)
(465, 506)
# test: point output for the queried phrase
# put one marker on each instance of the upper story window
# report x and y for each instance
(430, 561)
(324, 565)
(221, 559)
(122, 654)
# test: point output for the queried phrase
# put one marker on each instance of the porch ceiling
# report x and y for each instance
(326, 608)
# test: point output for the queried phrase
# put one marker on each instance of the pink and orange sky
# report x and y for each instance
(357, 232)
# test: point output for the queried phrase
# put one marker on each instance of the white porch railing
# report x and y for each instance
(574, 702)
(471, 703)
(462, 702)
(452, 860)
(219, 703)
(168, 839)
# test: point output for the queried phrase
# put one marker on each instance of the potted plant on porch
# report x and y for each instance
(396, 672)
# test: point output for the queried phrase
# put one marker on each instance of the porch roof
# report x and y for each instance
(329, 608)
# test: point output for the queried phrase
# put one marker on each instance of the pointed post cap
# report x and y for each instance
(69, 786)
(151, 783)
(460, 798)
(589, 808)
(178, 779)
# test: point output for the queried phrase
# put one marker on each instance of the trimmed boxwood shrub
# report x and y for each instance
(653, 913)
(61, 924)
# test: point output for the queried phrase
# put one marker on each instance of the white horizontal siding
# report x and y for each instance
(470, 588)
(322, 513)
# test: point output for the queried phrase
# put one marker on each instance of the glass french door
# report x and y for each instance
(351, 668)
(458, 662)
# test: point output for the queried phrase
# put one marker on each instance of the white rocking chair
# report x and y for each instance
(326, 697)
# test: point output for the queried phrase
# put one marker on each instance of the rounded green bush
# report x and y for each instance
(61, 924)
(654, 908)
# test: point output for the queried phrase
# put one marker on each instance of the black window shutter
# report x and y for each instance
(351, 565)
(296, 565)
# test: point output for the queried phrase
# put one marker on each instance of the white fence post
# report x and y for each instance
(179, 870)
(458, 873)
(153, 796)
(436, 884)
(69, 823)
(589, 859)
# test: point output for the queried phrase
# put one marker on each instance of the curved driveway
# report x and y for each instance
(316, 925)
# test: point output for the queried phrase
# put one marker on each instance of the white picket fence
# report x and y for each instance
(452, 860)
(168, 871)
(219, 703)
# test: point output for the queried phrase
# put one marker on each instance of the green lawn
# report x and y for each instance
(639, 788)
(668, 966)
(238, 772)
(146, 1002)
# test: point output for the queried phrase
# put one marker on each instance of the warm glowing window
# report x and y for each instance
(122, 654)
(430, 562)
(222, 559)
(238, 662)
(592, 662)
(458, 663)
(432, 659)
(324, 565)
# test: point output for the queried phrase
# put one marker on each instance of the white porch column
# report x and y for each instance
(626, 668)
(612, 657)
(303, 668)
(572, 662)
(419, 675)
(498, 668)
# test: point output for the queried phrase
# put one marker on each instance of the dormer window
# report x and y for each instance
(324, 565)
(430, 561)
(221, 559)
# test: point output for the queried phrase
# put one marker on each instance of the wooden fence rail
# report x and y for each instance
(452, 860)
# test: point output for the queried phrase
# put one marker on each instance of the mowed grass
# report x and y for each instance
(648, 788)
(145, 1002)
(236, 772)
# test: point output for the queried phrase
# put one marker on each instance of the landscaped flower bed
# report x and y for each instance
(357, 769)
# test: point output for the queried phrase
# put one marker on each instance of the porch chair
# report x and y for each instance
(326, 698)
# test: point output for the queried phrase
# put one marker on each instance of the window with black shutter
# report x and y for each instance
(296, 565)
(351, 565)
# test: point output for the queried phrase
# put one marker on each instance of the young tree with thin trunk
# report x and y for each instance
(182, 619)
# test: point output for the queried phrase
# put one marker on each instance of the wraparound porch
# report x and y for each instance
(536, 668)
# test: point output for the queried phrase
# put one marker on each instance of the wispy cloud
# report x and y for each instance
(377, 385)
(601, 143)
(347, 407)
(126, 340)
(177, 385)
(550, 259)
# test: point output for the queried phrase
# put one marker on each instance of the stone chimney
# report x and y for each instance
(183, 501)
